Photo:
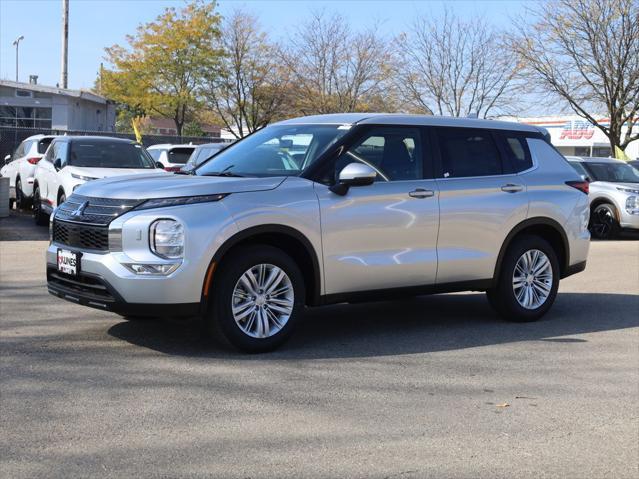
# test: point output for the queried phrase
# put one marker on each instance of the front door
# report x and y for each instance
(382, 235)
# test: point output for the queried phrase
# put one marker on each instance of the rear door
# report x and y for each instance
(382, 235)
(481, 200)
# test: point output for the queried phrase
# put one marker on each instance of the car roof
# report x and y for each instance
(39, 137)
(209, 145)
(404, 119)
(591, 159)
(110, 139)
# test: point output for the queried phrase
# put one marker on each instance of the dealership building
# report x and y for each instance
(30, 105)
(572, 135)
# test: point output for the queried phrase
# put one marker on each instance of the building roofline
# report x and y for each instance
(82, 94)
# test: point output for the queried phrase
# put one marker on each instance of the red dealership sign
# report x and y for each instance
(577, 130)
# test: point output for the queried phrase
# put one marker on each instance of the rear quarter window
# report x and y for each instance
(517, 152)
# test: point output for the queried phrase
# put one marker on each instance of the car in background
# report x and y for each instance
(71, 161)
(634, 163)
(172, 157)
(20, 168)
(614, 194)
(201, 154)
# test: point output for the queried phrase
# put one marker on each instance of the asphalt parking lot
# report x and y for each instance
(429, 387)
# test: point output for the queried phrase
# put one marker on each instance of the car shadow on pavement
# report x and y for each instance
(19, 226)
(419, 325)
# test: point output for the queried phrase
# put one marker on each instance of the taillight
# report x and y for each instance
(172, 168)
(581, 185)
(34, 160)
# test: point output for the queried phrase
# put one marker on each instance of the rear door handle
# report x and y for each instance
(510, 188)
(421, 193)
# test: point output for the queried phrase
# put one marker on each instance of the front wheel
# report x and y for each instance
(256, 299)
(603, 222)
(528, 280)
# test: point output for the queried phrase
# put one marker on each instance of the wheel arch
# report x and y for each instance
(548, 229)
(604, 200)
(288, 239)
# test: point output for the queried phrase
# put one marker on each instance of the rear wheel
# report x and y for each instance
(21, 200)
(256, 299)
(39, 216)
(528, 280)
(603, 222)
(61, 198)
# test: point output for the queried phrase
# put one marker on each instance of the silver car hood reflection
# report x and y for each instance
(163, 185)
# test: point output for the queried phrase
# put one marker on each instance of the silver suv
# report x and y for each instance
(327, 209)
(614, 194)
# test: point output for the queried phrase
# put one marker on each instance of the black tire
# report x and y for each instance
(40, 218)
(61, 198)
(219, 319)
(21, 201)
(603, 222)
(503, 298)
(12, 202)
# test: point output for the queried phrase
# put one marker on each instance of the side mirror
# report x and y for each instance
(57, 164)
(7, 159)
(353, 174)
(159, 165)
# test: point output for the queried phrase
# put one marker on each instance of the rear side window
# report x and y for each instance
(516, 148)
(468, 152)
(43, 144)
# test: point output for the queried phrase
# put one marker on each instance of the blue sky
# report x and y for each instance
(95, 24)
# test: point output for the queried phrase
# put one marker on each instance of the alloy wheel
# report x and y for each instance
(532, 279)
(262, 301)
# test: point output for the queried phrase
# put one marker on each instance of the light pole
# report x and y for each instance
(16, 42)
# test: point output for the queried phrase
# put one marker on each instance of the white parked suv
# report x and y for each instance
(71, 161)
(20, 168)
(614, 194)
(172, 157)
(374, 206)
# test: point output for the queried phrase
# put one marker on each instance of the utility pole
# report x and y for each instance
(65, 44)
(16, 42)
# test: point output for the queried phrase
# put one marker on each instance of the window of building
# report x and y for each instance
(25, 116)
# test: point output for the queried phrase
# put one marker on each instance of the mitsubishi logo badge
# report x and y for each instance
(80, 209)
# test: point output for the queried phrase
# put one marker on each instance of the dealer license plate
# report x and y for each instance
(68, 262)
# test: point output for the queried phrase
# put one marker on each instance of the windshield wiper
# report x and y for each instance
(224, 172)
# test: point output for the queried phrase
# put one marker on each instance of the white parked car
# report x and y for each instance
(172, 157)
(71, 161)
(20, 168)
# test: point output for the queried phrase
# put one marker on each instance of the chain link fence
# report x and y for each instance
(11, 137)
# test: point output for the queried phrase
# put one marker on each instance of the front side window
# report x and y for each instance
(104, 154)
(395, 153)
(613, 172)
(468, 152)
(277, 150)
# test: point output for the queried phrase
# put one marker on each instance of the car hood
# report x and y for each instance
(609, 185)
(164, 185)
(106, 172)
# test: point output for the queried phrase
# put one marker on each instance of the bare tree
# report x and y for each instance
(455, 67)
(249, 92)
(587, 53)
(334, 69)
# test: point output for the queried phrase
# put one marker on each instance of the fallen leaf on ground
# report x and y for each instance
(503, 405)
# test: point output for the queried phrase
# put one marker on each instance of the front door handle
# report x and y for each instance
(511, 188)
(421, 193)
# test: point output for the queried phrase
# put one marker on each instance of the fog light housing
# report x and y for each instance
(167, 239)
(152, 269)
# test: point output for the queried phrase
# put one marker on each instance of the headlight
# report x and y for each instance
(83, 178)
(182, 200)
(628, 190)
(632, 205)
(167, 238)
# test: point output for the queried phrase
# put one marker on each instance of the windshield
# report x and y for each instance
(279, 150)
(155, 153)
(104, 154)
(613, 172)
(203, 153)
(579, 168)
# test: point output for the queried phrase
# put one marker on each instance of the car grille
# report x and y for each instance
(95, 211)
(81, 236)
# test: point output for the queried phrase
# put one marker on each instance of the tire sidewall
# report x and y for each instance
(38, 216)
(220, 319)
(505, 299)
(614, 226)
